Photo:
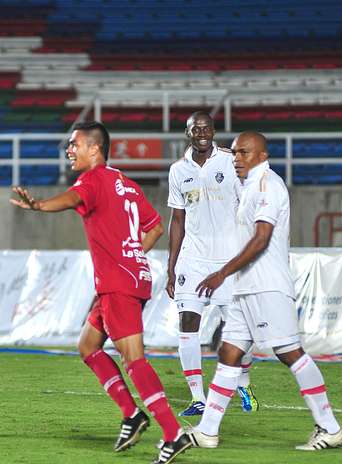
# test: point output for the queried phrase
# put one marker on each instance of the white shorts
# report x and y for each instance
(269, 319)
(189, 273)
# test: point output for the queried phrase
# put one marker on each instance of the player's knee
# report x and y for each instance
(86, 348)
(131, 348)
(189, 321)
(231, 352)
(83, 350)
(289, 354)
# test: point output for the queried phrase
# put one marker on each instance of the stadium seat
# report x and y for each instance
(39, 175)
(5, 150)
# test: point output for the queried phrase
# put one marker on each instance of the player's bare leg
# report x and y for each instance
(90, 340)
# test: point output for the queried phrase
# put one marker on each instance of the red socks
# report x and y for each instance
(152, 393)
(146, 382)
(109, 375)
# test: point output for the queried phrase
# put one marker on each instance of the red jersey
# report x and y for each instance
(115, 212)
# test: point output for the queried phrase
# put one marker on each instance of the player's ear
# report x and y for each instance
(263, 155)
(187, 133)
(94, 149)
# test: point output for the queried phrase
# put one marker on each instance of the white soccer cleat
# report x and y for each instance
(201, 440)
(321, 439)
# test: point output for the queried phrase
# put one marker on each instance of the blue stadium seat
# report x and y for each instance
(5, 150)
(317, 148)
(317, 174)
(6, 175)
(39, 149)
(39, 175)
(276, 148)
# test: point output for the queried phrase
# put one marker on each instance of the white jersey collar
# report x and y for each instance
(188, 154)
(256, 173)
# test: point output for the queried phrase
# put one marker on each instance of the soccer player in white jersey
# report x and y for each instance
(201, 239)
(263, 310)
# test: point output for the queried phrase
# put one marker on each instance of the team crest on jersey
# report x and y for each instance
(119, 187)
(181, 279)
(219, 177)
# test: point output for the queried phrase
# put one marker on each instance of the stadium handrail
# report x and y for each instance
(16, 161)
(332, 228)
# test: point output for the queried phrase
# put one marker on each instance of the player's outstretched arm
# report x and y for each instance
(152, 236)
(257, 244)
(66, 200)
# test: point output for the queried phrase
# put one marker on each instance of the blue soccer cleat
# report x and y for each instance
(249, 403)
(195, 408)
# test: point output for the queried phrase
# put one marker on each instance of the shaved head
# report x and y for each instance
(249, 149)
(255, 138)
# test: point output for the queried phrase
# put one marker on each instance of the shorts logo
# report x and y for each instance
(263, 203)
(262, 325)
(219, 177)
(181, 280)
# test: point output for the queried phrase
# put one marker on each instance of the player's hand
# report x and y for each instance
(170, 286)
(210, 284)
(25, 200)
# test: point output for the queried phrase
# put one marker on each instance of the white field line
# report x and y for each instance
(178, 400)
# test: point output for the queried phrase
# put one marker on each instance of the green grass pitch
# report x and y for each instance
(53, 411)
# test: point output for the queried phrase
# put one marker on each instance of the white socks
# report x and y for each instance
(190, 355)
(221, 391)
(312, 388)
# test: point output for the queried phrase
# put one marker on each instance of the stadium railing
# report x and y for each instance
(334, 222)
(170, 147)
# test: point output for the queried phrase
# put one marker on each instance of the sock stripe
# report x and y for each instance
(111, 381)
(222, 391)
(93, 355)
(153, 398)
(246, 366)
(192, 372)
(314, 391)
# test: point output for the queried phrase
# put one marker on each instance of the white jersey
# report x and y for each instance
(208, 196)
(264, 197)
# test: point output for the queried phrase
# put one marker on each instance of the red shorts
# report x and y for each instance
(117, 315)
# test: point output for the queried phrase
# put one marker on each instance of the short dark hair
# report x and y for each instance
(199, 114)
(99, 133)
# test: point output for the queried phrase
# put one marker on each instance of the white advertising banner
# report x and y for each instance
(318, 282)
(45, 297)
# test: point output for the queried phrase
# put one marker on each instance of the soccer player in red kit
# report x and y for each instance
(121, 226)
